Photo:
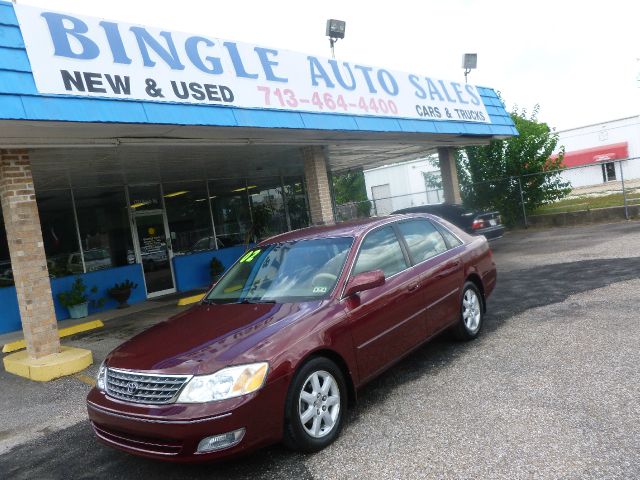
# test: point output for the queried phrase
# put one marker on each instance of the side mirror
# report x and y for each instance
(364, 281)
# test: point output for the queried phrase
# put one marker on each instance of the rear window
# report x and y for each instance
(450, 238)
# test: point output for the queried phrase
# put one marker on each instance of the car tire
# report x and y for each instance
(471, 313)
(314, 409)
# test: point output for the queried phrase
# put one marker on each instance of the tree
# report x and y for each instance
(350, 187)
(490, 176)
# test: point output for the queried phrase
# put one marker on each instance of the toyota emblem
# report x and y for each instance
(132, 387)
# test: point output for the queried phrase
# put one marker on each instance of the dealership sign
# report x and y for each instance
(86, 56)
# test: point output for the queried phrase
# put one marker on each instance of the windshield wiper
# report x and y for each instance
(247, 301)
(208, 301)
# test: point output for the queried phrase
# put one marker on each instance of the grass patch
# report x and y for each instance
(584, 202)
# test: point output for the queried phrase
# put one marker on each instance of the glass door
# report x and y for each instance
(155, 252)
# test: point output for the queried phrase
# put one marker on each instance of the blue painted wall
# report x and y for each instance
(192, 271)
(9, 313)
(103, 280)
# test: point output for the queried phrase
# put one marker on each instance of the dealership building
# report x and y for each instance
(136, 153)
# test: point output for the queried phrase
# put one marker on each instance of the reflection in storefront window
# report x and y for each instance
(6, 274)
(267, 210)
(104, 229)
(189, 217)
(231, 215)
(296, 202)
(59, 232)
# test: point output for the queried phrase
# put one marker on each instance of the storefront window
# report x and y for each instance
(296, 202)
(59, 232)
(231, 215)
(6, 274)
(104, 228)
(189, 217)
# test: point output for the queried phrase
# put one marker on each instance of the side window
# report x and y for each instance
(450, 238)
(380, 250)
(422, 238)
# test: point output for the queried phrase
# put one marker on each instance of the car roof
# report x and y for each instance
(430, 207)
(352, 228)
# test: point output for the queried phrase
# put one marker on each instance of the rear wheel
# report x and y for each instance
(471, 313)
(315, 406)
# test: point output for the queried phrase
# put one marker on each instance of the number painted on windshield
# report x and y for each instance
(250, 256)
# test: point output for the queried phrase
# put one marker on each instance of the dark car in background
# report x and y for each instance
(488, 224)
(280, 345)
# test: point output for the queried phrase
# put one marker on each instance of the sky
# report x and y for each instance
(579, 60)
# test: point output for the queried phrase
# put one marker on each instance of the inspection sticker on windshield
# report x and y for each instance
(320, 289)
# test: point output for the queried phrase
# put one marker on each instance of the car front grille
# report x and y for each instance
(143, 387)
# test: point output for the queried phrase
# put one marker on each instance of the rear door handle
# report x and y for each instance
(413, 288)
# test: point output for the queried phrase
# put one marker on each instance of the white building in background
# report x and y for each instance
(403, 185)
(596, 147)
(600, 150)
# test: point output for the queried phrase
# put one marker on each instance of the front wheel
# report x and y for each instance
(471, 313)
(315, 406)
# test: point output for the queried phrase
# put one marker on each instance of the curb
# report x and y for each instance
(189, 300)
(63, 332)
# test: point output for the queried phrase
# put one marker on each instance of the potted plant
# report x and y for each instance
(76, 299)
(216, 268)
(121, 292)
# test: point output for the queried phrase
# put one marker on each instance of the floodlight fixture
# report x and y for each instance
(335, 31)
(469, 62)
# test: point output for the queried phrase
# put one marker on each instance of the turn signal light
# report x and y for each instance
(220, 442)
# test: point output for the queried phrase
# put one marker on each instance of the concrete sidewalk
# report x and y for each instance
(113, 314)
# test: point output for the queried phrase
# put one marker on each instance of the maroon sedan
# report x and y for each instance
(278, 348)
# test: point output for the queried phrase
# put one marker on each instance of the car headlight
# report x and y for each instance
(101, 379)
(226, 383)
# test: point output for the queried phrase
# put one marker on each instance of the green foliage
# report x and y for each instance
(126, 285)
(350, 187)
(77, 294)
(490, 175)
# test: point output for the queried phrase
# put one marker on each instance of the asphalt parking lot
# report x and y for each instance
(550, 390)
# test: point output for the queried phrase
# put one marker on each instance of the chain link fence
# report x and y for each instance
(606, 190)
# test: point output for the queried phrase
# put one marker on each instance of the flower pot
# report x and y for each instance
(80, 310)
(120, 295)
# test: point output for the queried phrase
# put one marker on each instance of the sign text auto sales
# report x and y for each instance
(92, 57)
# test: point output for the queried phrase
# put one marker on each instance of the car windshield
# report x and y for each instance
(295, 271)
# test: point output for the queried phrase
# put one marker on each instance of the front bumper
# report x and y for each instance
(172, 432)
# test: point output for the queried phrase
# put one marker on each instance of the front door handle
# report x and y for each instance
(413, 288)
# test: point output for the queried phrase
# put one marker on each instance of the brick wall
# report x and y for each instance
(26, 248)
(317, 180)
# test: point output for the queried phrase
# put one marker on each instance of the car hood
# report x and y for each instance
(209, 337)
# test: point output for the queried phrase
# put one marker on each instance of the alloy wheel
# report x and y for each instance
(319, 404)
